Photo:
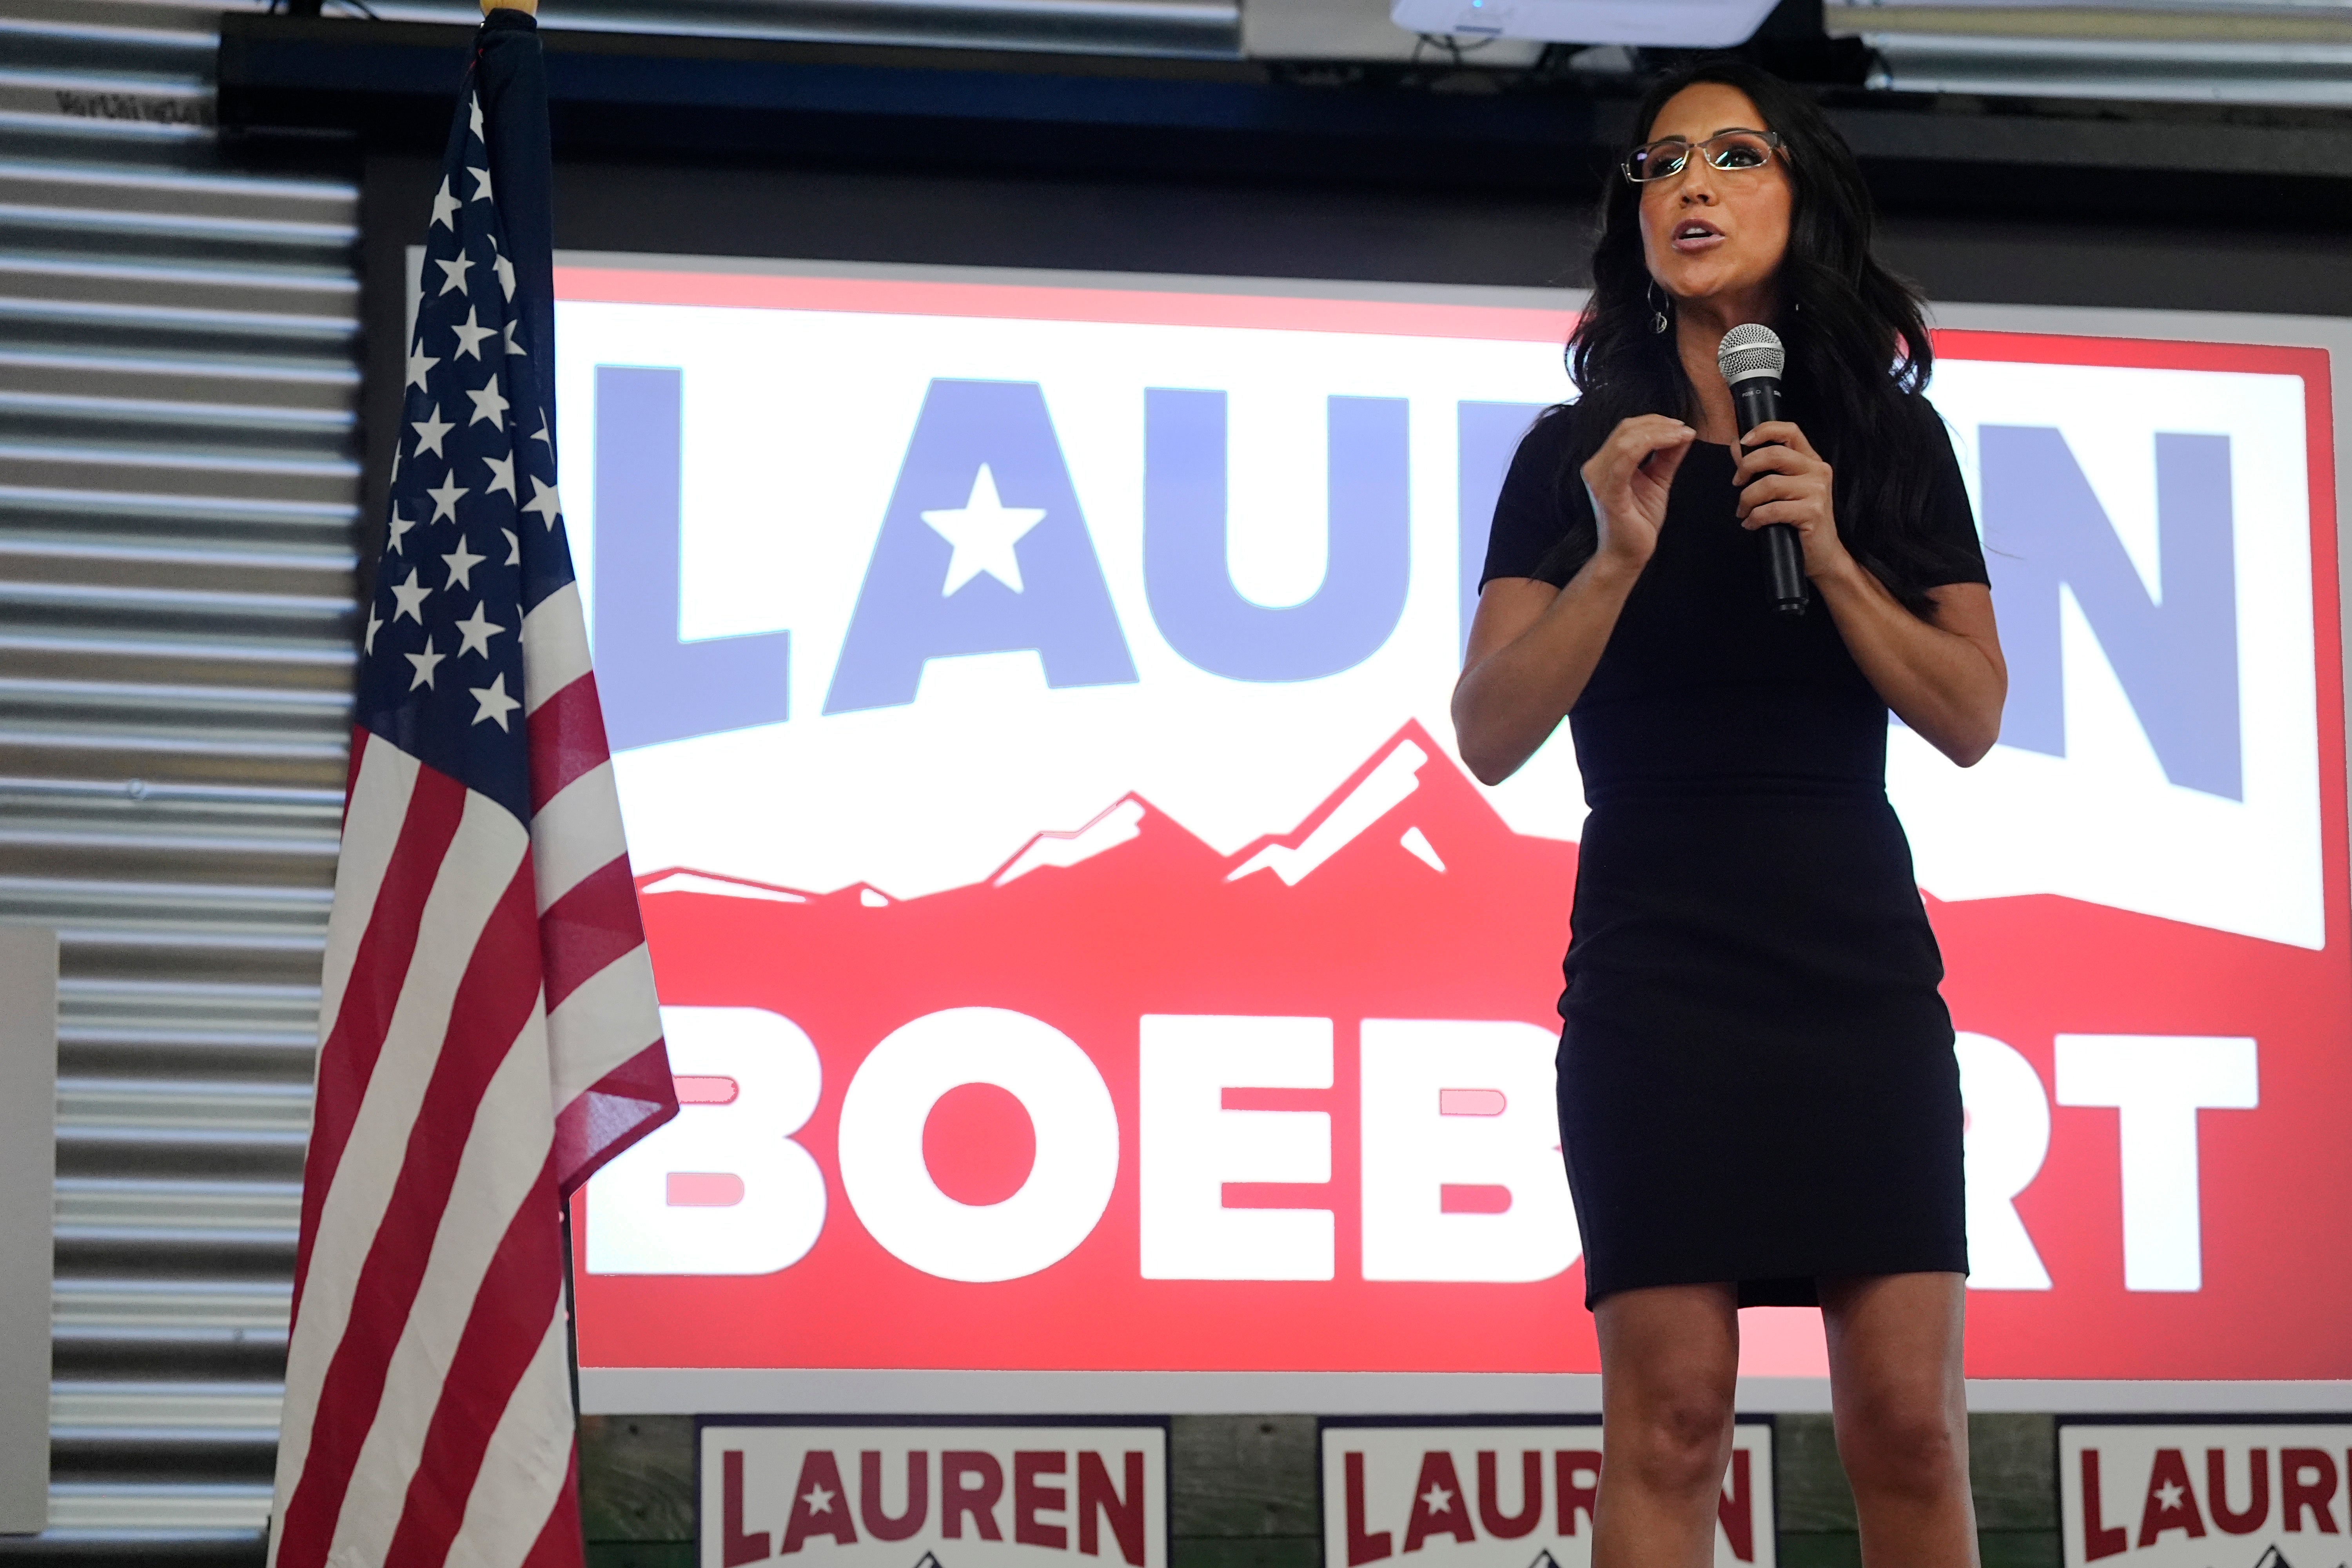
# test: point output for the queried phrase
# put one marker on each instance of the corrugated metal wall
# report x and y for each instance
(178, 488)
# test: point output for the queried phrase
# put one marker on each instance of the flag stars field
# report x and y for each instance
(475, 632)
(493, 702)
(470, 335)
(461, 563)
(488, 403)
(445, 499)
(429, 431)
(411, 598)
(423, 662)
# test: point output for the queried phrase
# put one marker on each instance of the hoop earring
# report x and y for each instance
(1658, 322)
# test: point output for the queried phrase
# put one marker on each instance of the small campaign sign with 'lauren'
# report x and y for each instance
(2223, 1493)
(1505, 1494)
(1002, 1494)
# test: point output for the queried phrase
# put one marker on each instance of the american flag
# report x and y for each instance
(488, 1029)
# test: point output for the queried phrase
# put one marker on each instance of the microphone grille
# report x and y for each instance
(1749, 350)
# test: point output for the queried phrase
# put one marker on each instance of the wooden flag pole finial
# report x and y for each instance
(528, 7)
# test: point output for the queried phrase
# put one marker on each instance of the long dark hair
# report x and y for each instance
(1858, 349)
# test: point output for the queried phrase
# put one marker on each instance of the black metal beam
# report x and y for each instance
(636, 97)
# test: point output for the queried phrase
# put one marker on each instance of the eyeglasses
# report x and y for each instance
(1734, 151)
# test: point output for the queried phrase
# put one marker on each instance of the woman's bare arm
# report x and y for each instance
(1943, 676)
(1533, 647)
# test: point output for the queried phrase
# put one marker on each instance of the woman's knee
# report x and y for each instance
(1674, 1441)
(1907, 1440)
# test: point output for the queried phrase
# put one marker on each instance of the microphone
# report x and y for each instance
(1751, 360)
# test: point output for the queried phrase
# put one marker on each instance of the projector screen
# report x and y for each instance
(1082, 952)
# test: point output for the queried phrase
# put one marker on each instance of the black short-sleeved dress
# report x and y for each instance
(1757, 1080)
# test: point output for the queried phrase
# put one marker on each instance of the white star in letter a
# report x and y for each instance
(819, 1498)
(445, 500)
(419, 362)
(2168, 1497)
(444, 206)
(423, 662)
(462, 564)
(488, 403)
(983, 531)
(469, 336)
(429, 431)
(501, 475)
(494, 702)
(411, 599)
(544, 500)
(454, 272)
(476, 631)
(1439, 1499)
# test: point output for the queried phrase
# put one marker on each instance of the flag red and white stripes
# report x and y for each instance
(490, 1036)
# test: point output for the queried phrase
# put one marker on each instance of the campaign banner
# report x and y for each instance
(966, 1494)
(1083, 950)
(2222, 1493)
(1504, 1494)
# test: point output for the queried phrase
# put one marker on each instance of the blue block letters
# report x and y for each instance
(1367, 558)
(653, 686)
(2175, 654)
(908, 614)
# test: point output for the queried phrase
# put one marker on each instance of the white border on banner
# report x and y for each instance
(718, 1392)
(714, 1391)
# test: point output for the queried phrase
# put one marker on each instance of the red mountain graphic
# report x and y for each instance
(1406, 896)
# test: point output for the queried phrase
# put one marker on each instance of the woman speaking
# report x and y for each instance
(1758, 1098)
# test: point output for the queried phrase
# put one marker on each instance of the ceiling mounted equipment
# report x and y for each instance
(1668, 23)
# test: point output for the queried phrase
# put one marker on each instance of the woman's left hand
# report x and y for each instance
(1782, 480)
